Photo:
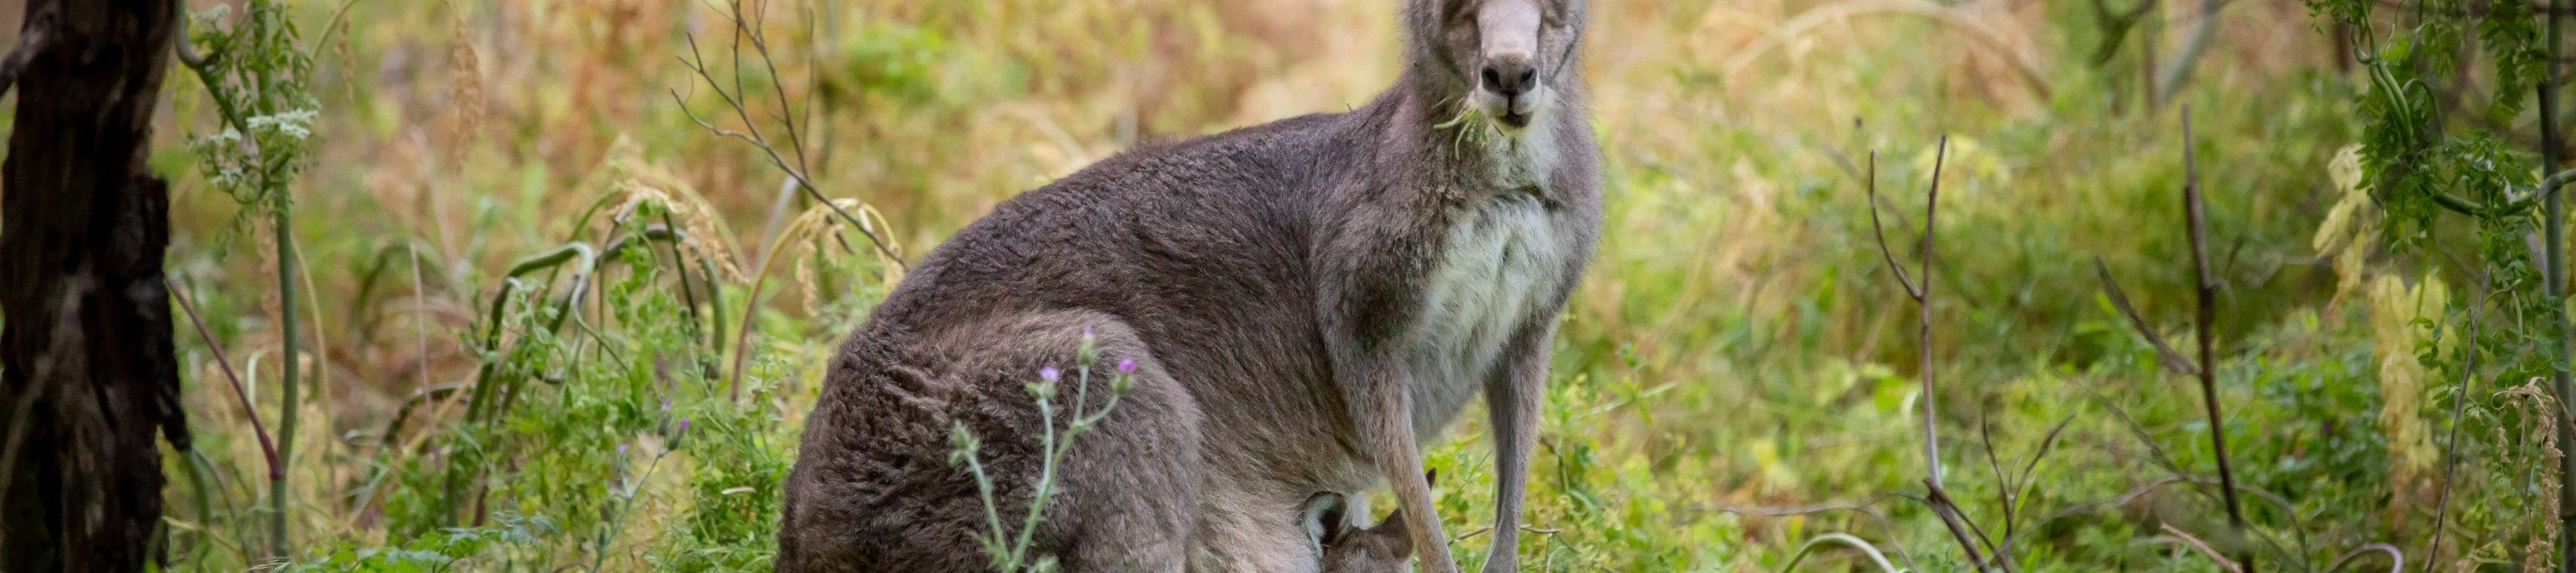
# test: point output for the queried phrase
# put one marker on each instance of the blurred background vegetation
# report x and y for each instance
(1735, 378)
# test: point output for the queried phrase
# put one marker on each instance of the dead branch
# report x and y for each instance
(1881, 232)
(2207, 288)
(2204, 549)
(737, 100)
(2451, 450)
(1921, 292)
(2166, 355)
(266, 447)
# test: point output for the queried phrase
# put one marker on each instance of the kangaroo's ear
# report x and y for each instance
(1325, 519)
(1452, 10)
(1391, 536)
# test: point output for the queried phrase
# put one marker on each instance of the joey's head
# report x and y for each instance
(1506, 61)
(1346, 548)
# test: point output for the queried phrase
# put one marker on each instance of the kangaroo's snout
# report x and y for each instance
(1511, 76)
(1509, 55)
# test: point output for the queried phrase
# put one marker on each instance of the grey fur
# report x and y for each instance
(1308, 300)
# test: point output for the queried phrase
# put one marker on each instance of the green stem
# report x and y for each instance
(285, 235)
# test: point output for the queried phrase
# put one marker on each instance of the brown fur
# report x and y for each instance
(1308, 300)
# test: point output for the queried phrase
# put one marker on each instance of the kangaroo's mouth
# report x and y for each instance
(1514, 119)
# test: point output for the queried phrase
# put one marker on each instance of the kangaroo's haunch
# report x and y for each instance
(1306, 301)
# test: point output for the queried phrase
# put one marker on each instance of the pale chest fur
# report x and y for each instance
(1501, 261)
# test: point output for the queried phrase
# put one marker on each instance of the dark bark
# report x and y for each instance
(87, 373)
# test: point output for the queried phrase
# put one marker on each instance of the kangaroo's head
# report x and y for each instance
(1508, 61)
(1386, 548)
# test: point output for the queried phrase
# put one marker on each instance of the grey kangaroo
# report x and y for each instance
(1346, 548)
(1306, 302)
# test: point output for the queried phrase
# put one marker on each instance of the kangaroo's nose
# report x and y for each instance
(1510, 76)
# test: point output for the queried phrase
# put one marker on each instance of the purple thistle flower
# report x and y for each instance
(684, 427)
(1050, 374)
(1126, 366)
(666, 404)
(1086, 332)
(621, 449)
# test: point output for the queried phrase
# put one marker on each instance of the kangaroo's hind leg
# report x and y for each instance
(1126, 492)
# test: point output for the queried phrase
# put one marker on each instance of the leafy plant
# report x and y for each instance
(260, 83)
(2447, 119)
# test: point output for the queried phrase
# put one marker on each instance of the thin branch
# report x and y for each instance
(2166, 355)
(797, 170)
(266, 447)
(1921, 292)
(1881, 232)
(1923, 307)
(2208, 318)
(2451, 449)
(2204, 549)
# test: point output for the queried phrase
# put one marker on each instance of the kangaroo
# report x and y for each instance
(1385, 548)
(1342, 548)
(1305, 302)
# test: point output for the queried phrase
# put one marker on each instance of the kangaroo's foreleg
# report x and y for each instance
(1385, 417)
(1514, 394)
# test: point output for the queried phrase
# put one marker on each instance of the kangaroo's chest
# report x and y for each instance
(1499, 263)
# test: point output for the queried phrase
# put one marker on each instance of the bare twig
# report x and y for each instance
(1923, 306)
(2204, 549)
(1921, 292)
(2166, 355)
(2451, 450)
(796, 170)
(2207, 288)
(2169, 81)
(266, 447)
(1881, 232)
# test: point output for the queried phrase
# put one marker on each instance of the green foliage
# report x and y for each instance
(260, 81)
(2429, 158)
(451, 549)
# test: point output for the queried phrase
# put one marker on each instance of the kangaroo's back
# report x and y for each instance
(1188, 257)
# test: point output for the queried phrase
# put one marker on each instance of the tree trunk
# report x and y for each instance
(87, 373)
